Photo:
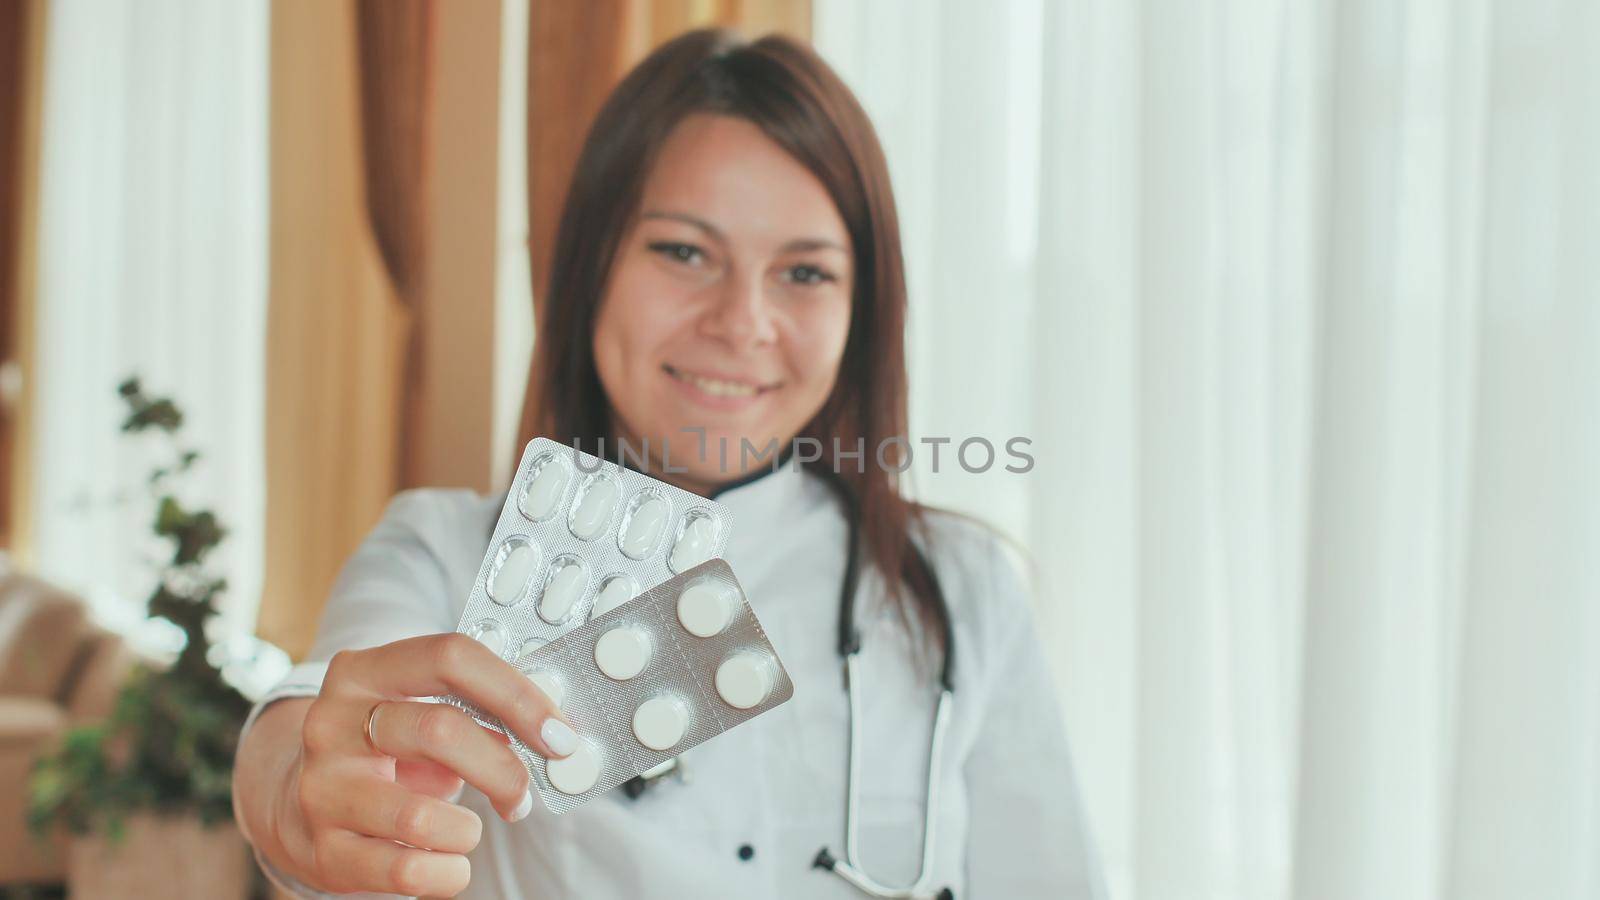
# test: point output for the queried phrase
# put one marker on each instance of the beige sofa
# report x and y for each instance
(57, 669)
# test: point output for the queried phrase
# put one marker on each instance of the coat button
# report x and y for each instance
(746, 851)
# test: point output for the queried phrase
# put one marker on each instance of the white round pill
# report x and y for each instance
(659, 723)
(512, 567)
(550, 683)
(593, 513)
(645, 522)
(544, 492)
(623, 652)
(562, 592)
(491, 635)
(744, 679)
(617, 590)
(695, 544)
(576, 773)
(705, 608)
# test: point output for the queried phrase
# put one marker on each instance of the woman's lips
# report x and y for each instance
(718, 392)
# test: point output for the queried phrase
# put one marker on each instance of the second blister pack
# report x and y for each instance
(641, 684)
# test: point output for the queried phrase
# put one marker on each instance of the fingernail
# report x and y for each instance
(558, 736)
(523, 808)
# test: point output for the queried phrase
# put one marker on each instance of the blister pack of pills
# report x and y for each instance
(642, 683)
(579, 536)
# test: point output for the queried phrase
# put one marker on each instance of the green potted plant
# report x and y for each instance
(146, 792)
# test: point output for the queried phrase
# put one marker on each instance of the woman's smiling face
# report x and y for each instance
(728, 302)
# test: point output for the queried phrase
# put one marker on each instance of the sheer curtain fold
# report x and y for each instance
(1310, 379)
(152, 261)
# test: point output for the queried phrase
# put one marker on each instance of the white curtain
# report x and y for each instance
(1299, 303)
(153, 261)
(513, 286)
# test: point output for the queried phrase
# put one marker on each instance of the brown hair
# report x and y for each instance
(785, 89)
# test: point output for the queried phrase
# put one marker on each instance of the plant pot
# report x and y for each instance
(161, 856)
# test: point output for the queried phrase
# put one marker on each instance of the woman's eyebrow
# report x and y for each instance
(802, 245)
(711, 230)
(798, 245)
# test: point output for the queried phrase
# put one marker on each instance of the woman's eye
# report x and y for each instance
(684, 253)
(807, 274)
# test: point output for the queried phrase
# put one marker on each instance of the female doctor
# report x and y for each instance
(727, 270)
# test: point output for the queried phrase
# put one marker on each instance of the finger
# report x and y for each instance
(359, 863)
(428, 777)
(379, 808)
(456, 664)
(443, 734)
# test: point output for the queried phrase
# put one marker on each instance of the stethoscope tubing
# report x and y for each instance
(849, 868)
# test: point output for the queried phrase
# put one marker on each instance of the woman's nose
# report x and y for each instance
(740, 314)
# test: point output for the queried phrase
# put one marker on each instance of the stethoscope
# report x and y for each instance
(851, 868)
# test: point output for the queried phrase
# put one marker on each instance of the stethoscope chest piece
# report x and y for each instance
(637, 785)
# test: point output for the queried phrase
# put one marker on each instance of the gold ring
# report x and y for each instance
(372, 716)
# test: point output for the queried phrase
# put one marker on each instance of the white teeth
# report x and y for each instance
(717, 387)
(724, 388)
